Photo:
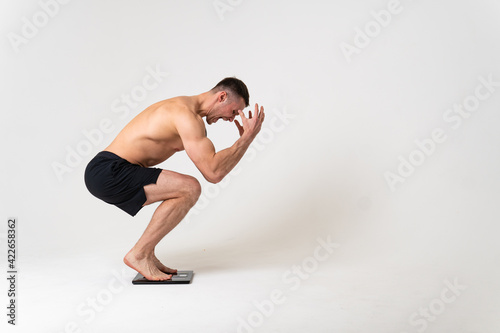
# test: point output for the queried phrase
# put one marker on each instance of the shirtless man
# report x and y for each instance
(122, 174)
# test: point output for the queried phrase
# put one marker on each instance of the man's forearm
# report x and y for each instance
(225, 160)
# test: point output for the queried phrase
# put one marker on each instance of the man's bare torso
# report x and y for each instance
(152, 137)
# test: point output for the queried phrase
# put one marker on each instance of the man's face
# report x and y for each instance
(225, 108)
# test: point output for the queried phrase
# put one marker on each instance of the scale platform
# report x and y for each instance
(181, 277)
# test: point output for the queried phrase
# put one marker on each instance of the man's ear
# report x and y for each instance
(222, 96)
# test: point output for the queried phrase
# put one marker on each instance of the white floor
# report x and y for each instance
(254, 288)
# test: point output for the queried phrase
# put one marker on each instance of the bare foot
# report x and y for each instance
(162, 267)
(146, 266)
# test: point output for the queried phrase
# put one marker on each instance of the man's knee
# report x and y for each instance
(193, 188)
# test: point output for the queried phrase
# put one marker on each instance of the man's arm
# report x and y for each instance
(215, 166)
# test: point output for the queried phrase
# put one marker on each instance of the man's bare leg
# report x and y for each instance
(180, 193)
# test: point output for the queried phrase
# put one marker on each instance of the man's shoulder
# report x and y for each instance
(174, 108)
(180, 115)
(172, 105)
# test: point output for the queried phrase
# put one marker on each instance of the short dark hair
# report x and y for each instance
(235, 86)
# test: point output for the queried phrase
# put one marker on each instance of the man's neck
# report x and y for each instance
(203, 103)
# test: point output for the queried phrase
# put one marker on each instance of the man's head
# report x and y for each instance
(231, 95)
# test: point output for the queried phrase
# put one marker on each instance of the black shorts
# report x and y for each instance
(119, 182)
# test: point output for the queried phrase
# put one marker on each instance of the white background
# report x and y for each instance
(320, 175)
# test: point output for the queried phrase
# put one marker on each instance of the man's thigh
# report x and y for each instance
(170, 185)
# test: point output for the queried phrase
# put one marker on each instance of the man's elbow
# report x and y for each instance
(214, 178)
